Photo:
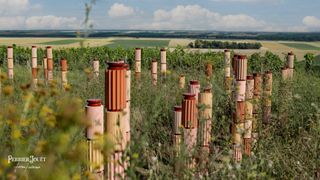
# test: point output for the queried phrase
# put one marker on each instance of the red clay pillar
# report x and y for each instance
(137, 63)
(49, 63)
(154, 72)
(34, 65)
(64, 71)
(116, 101)
(163, 60)
(96, 67)
(290, 64)
(10, 62)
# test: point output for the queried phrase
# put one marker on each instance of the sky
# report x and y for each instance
(215, 15)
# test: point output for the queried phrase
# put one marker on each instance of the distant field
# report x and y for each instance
(131, 43)
(280, 48)
(302, 46)
(61, 42)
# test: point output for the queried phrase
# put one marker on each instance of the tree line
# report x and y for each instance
(223, 45)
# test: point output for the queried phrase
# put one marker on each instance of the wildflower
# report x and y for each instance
(135, 156)
(40, 146)
(47, 114)
(76, 176)
(25, 122)
(67, 87)
(16, 133)
(8, 90)
(3, 77)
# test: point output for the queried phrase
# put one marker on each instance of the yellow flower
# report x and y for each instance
(40, 146)
(8, 90)
(135, 156)
(47, 114)
(45, 111)
(25, 122)
(16, 133)
(4, 162)
(76, 177)
(67, 87)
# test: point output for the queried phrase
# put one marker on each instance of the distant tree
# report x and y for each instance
(223, 45)
(309, 57)
(190, 45)
(197, 44)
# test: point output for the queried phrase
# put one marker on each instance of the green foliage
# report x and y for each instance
(309, 58)
(268, 62)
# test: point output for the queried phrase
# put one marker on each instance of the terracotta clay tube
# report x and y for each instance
(240, 76)
(154, 72)
(247, 137)
(241, 71)
(284, 93)
(188, 120)
(256, 103)
(45, 68)
(240, 66)
(194, 88)
(267, 97)
(177, 128)
(188, 111)
(205, 100)
(290, 64)
(208, 71)
(94, 115)
(49, 63)
(234, 63)
(115, 86)
(126, 127)
(227, 70)
(182, 81)
(137, 63)
(163, 60)
(64, 71)
(116, 124)
(238, 130)
(233, 80)
(227, 62)
(285, 73)
(10, 62)
(96, 67)
(34, 65)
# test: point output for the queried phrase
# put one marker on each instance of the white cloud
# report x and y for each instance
(249, 1)
(236, 0)
(13, 6)
(195, 17)
(120, 10)
(38, 22)
(11, 22)
(311, 21)
(51, 22)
